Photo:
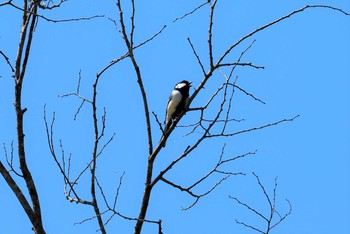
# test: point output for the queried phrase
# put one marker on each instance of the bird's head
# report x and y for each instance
(183, 84)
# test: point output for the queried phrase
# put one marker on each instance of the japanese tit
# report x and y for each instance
(176, 103)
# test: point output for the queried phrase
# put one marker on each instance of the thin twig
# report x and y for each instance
(191, 12)
(10, 162)
(255, 128)
(269, 219)
(197, 57)
(54, 20)
(7, 60)
(275, 22)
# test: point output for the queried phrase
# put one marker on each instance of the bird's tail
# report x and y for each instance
(166, 128)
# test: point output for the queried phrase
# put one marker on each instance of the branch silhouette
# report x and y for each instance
(213, 113)
(270, 219)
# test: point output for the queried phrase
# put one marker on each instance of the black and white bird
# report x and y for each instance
(176, 103)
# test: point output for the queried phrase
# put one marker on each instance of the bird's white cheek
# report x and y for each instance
(180, 86)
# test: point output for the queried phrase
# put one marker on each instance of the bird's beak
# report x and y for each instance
(190, 83)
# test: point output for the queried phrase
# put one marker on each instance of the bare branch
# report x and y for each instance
(206, 193)
(18, 193)
(92, 218)
(249, 226)
(6, 3)
(281, 218)
(255, 128)
(275, 22)
(10, 162)
(70, 19)
(115, 61)
(191, 12)
(210, 33)
(250, 64)
(249, 94)
(29, 20)
(7, 60)
(269, 219)
(77, 95)
(50, 141)
(195, 53)
(113, 210)
(204, 124)
(215, 169)
(151, 38)
(130, 46)
(158, 122)
(24, 9)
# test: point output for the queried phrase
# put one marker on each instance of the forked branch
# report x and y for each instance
(270, 219)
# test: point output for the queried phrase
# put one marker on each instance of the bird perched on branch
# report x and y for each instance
(176, 103)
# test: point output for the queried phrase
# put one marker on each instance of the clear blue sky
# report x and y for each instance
(307, 72)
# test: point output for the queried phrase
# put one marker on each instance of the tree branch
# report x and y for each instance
(269, 219)
(7, 61)
(25, 10)
(275, 22)
(18, 193)
(191, 12)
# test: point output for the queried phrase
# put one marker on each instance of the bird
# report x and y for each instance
(176, 103)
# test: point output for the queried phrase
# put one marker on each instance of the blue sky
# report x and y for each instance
(307, 73)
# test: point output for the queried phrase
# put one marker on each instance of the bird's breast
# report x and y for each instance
(174, 101)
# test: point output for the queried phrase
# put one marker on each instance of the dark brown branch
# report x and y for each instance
(275, 22)
(130, 46)
(29, 19)
(206, 193)
(158, 122)
(92, 218)
(215, 169)
(114, 210)
(129, 42)
(18, 193)
(210, 33)
(72, 19)
(249, 94)
(255, 128)
(249, 226)
(99, 127)
(29, 42)
(77, 94)
(10, 161)
(188, 190)
(7, 60)
(24, 9)
(62, 168)
(151, 38)
(269, 219)
(6, 3)
(250, 64)
(197, 57)
(97, 137)
(126, 55)
(191, 12)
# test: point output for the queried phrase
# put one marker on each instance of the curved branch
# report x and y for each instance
(7, 60)
(24, 9)
(269, 219)
(275, 22)
(18, 193)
